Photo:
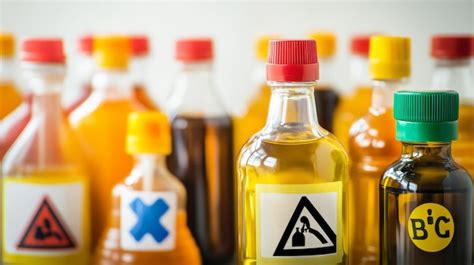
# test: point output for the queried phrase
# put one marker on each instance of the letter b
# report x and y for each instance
(419, 228)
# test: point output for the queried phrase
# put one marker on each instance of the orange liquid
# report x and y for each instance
(349, 109)
(143, 98)
(101, 130)
(372, 147)
(184, 253)
(10, 98)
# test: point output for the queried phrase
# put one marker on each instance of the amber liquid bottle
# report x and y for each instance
(425, 196)
(202, 152)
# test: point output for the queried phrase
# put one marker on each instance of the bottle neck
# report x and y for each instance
(138, 70)
(454, 75)
(358, 72)
(149, 164)
(327, 73)
(431, 151)
(292, 111)
(382, 94)
(112, 84)
(7, 69)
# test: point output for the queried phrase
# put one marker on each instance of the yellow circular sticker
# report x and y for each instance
(431, 227)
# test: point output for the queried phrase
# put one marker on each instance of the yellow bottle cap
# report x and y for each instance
(389, 57)
(326, 43)
(7, 45)
(112, 52)
(261, 46)
(148, 133)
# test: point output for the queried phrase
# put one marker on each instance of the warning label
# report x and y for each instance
(303, 222)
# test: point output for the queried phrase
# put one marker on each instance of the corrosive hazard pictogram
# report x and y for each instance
(46, 230)
(302, 226)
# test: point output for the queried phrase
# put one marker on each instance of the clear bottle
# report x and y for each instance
(101, 121)
(425, 196)
(372, 146)
(202, 151)
(325, 93)
(354, 101)
(291, 174)
(138, 70)
(45, 190)
(452, 71)
(10, 96)
(147, 223)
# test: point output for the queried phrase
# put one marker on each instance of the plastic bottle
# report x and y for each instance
(45, 190)
(325, 93)
(255, 115)
(147, 223)
(451, 71)
(425, 200)
(372, 146)
(10, 96)
(101, 122)
(354, 102)
(291, 174)
(202, 151)
(138, 69)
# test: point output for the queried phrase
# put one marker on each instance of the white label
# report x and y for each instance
(43, 219)
(148, 221)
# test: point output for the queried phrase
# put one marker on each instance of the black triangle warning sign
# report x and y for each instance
(299, 244)
(46, 230)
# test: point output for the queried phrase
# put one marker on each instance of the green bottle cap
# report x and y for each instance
(426, 116)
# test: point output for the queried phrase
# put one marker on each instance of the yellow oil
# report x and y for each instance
(10, 98)
(311, 161)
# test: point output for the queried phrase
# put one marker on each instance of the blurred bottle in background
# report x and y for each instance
(325, 92)
(202, 151)
(138, 69)
(372, 146)
(355, 99)
(84, 66)
(100, 123)
(45, 190)
(254, 117)
(451, 55)
(148, 216)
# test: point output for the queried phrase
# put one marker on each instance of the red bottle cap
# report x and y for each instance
(451, 47)
(85, 44)
(292, 61)
(360, 45)
(43, 50)
(198, 49)
(472, 46)
(140, 45)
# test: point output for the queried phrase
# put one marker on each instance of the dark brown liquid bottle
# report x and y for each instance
(202, 152)
(326, 103)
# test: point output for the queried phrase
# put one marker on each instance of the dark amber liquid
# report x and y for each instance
(326, 103)
(202, 159)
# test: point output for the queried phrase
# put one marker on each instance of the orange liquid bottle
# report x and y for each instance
(372, 146)
(10, 96)
(355, 103)
(45, 191)
(100, 123)
(451, 54)
(140, 52)
(148, 217)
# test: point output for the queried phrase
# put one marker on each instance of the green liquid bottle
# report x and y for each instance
(426, 196)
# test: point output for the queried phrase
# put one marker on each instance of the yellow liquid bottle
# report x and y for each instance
(354, 104)
(372, 146)
(451, 57)
(291, 174)
(148, 217)
(100, 124)
(10, 96)
(45, 191)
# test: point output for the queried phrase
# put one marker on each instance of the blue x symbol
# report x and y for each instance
(149, 220)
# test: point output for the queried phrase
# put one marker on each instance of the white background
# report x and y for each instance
(235, 25)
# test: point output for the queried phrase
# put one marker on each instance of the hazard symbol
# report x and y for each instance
(307, 233)
(46, 230)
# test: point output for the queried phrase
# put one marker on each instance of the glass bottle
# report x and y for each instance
(451, 71)
(101, 121)
(202, 151)
(355, 101)
(147, 223)
(291, 174)
(45, 190)
(325, 93)
(372, 146)
(425, 196)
